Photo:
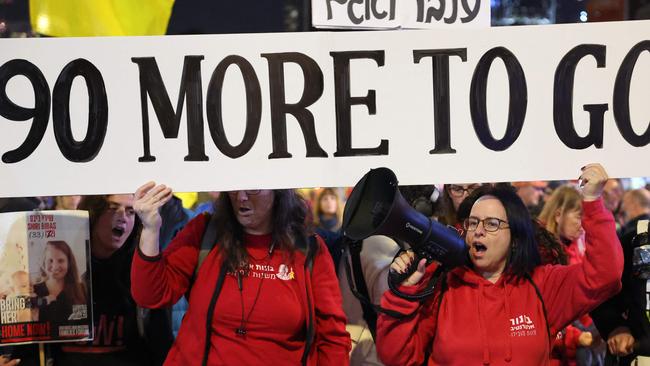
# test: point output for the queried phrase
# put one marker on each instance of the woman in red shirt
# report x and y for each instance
(257, 297)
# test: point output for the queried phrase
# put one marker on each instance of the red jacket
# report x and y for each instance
(481, 323)
(160, 281)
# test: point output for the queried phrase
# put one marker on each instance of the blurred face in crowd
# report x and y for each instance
(488, 235)
(328, 204)
(56, 263)
(253, 209)
(612, 194)
(530, 194)
(114, 225)
(67, 202)
(569, 224)
(458, 192)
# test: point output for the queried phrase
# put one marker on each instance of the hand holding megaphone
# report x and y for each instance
(402, 266)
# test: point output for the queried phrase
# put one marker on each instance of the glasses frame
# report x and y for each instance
(482, 222)
(471, 188)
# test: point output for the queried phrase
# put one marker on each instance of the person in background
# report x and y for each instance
(580, 343)
(328, 210)
(256, 312)
(623, 318)
(531, 194)
(612, 197)
(635, 206)
(503, 306)
(452, 196)
(66, 202)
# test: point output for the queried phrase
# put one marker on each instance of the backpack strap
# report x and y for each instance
(208, 242)
(312, 249)
(210, 314)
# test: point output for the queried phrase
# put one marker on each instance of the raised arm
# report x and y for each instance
(571, 291)
(159, 280)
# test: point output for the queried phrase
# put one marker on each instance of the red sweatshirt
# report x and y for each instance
(481, 323)
(273, 298)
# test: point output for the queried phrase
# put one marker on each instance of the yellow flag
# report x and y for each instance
(188, 198)
(85, 18)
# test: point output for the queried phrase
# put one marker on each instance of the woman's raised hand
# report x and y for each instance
(593, 180)
(148, 199)
(403, 262)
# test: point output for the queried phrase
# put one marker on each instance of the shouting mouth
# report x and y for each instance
(479, 249)
(244, 210)
(118, 231)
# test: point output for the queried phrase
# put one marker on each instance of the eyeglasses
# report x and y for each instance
(249, 192)
(457, 191)
(490, 224)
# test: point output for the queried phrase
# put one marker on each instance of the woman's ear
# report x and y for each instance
(557, 216)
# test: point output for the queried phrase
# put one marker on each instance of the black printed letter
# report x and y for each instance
(440, 61)
(344, 103)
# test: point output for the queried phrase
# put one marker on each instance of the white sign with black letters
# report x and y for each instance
(203, 113)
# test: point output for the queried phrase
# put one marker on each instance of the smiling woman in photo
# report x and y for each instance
(60, 289)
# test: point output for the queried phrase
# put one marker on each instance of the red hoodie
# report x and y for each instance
(276, 307)
(481, 323)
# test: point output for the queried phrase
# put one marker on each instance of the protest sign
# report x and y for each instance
(215, 113)
(409, 14)
(44, 289)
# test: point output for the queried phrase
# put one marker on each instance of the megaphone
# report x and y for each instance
(376, 207)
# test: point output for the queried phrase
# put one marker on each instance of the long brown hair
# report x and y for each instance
(289, 230)
(564, 199)
(72, 288)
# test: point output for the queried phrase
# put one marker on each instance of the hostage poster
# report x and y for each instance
(44, 296)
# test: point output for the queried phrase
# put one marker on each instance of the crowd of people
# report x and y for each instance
(259, 277)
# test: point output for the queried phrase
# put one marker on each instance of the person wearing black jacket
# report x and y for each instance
(623, 318)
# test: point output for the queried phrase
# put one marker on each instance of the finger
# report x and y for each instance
(422, 265)
(13, 362)
(406, 257)
(394, 267)
(150, 196)
(140, 192)
(629, 345)
(411, 255)
(595, 170)
(401, 266)
(612, 344)
(162, 197)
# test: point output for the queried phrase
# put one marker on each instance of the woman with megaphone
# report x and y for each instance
(503, 307)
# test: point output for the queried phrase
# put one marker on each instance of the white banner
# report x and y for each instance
(393, 14)
(320, 109)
